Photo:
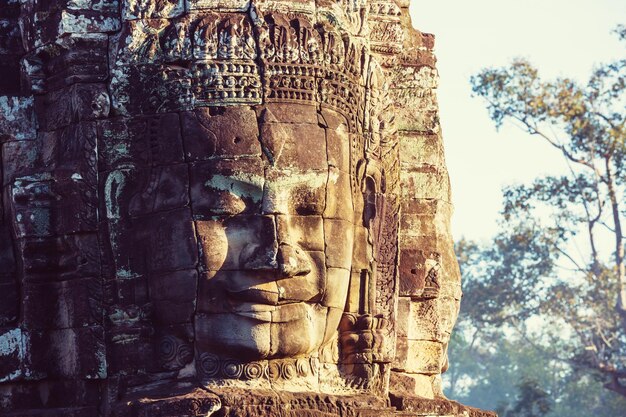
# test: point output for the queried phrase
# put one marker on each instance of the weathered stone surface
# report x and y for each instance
(61, 258)
(71, 353)
(78, 102)
(141, 141)
(45, 398)
(226, 187)
(428, 320)
(230, 208)
(62, 305)
(420, 407)
(419, 356)
(12, 354)
(17, 119)
(220, 133)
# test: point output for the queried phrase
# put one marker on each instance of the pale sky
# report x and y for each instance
(561, 37)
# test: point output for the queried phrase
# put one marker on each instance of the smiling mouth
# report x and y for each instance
(269, 293)
(254, 296)
(285, 312)
(260, 294)
(267, 306)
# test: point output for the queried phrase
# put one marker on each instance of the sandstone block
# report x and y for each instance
(428, 320)
(67, 353)
(226, 132)
(66, 304)
(137, 9)
(44, 208)
(159, 189)
(156, 139)
(238, 337)
(339, 239)
(402, 384)
(17, 121)
(130, 350)
(425, 181)
(243, 242)
(175, 248)
(163, 89)
(291, 113)
(305, 231)
(72, 104)
(87, 21)
(293, 192)
(225, 5)
(174, 346)
(416, 150)
(9, 300)
(60, 258)
(19, 158)
(339, 202)
(47, 397)
(337, 285)
(419, 356)
(304, 147)
(174, 296)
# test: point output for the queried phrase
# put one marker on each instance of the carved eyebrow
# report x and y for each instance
(312, 178)
(241, 185)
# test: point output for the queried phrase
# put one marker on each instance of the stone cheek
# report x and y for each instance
(244, 196)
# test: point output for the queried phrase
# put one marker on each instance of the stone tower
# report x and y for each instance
(222, 208)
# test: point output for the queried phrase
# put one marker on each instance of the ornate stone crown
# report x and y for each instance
(237, 59)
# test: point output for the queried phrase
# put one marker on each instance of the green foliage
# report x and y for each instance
(532, 401)
(489, 363)
(502, 279)
(547, 282)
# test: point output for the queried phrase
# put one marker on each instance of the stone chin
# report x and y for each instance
(261, 331)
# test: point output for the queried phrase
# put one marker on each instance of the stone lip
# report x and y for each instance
(416, 406)
(236, 402)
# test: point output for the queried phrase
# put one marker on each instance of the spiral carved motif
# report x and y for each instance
(314, 362)
(273, 370)
(209, 365)
(168, 348)
(287, 370)
(232, 369)
(253, 370)
(184, 353)
(302, 367)
(174, 353)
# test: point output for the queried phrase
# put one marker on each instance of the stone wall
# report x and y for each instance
(430, 283)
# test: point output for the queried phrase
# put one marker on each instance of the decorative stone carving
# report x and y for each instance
(230, 208)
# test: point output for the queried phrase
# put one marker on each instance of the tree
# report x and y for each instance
(532, 401)
(489, 364)
(535, 268)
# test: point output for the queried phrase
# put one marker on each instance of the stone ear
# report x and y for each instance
(367, 168)
(371, 182)
(361, 171)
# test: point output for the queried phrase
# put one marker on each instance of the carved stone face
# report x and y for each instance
(248, 224)
(274, 223)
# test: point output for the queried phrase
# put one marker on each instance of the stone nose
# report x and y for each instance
(293, 260)
(288, 260)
